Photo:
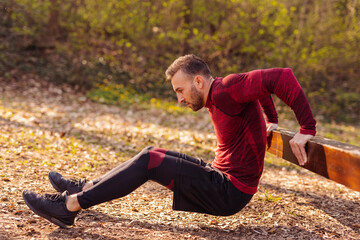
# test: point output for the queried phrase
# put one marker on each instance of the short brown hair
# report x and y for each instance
(189, 64)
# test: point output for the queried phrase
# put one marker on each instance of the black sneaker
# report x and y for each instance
(51, 207)
(62, 184)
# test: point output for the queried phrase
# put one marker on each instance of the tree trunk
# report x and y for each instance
(185, 47)
(52, 30)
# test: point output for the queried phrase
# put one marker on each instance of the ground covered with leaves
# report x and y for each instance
(50, 128)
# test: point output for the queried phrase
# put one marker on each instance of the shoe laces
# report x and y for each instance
(53, 197)
(77, 183)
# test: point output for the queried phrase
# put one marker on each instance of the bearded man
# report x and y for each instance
(221, 188)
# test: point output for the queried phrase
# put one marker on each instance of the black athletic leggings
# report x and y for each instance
(150, 164)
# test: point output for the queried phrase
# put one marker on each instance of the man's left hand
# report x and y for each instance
(270, 127)
(297, 144)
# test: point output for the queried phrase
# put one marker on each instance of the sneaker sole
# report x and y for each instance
(54, 185)
(47, 217)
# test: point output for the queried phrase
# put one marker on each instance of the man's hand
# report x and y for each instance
(270, 127)
(297, 144)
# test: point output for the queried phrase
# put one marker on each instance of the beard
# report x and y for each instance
(197, 100)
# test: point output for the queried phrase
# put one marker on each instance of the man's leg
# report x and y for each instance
(149, 164)
(163, 175)
(157, 156)
(160, 150)
(62, 209)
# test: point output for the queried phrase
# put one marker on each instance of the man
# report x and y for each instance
(222, 188)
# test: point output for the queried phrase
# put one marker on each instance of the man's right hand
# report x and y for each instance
(297, 144)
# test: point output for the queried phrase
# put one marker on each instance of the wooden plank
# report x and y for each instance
(334, 160)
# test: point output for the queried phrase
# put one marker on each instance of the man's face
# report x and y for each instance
(186, 91)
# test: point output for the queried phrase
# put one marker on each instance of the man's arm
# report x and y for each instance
(268, 106)
(287, 88)
(282, 82)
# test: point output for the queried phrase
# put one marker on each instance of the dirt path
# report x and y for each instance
(44, 127)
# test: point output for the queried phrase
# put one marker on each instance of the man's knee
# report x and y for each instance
(151, 157)
(145, 152)
(147, 149)
(142, 158)
(155, 149)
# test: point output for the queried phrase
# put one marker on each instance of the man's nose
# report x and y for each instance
(181, 99)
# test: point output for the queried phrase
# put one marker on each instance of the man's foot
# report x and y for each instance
(62, 184)
(51, 207)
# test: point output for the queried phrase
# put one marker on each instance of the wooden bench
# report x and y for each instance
(334, 160)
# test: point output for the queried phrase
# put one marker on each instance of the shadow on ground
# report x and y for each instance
(343, 210)
(90, 222)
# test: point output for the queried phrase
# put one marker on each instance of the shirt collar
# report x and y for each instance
(208, 100)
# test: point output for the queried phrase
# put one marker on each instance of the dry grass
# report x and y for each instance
(44, 127)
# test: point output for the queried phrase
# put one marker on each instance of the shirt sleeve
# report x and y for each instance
(267, 104)
(279, 81)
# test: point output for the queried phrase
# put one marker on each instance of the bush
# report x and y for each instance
(133, 41)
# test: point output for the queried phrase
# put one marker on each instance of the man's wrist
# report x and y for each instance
(307, 131)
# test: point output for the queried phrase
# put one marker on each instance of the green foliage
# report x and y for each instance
(269, 197)
(132, 42)
(118, 94)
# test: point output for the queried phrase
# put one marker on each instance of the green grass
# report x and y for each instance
(116, 94)
(269, 197)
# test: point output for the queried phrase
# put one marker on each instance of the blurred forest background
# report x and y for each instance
(125, 46)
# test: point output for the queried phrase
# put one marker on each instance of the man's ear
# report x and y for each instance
(199, 81)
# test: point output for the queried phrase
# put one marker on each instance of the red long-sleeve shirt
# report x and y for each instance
(234, 106)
